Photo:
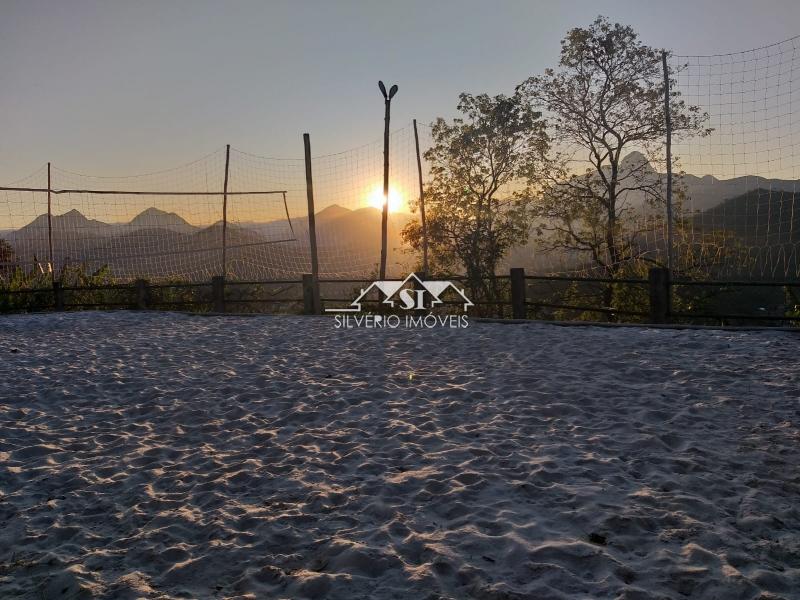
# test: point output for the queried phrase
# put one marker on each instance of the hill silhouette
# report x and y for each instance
(153, 218)
(761, 216)
(156, 243)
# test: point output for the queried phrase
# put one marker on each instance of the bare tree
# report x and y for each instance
(605, 101)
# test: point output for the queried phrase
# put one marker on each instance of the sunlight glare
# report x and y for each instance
(375, 198)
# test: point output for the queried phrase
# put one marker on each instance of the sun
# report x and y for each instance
(375, 198)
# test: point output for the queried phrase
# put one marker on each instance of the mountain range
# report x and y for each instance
(705, 192)
(156, 243)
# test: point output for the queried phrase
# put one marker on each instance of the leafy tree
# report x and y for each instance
(478, 203)
(605, 100)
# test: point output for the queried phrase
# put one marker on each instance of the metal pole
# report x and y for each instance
(668, 123)
(421, 205)
(312, 225)
(225, 213)
(50, 227)
(385, 212)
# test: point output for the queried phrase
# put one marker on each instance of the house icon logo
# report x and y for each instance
(411, 294)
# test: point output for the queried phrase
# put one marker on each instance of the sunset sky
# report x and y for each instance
(118, 88)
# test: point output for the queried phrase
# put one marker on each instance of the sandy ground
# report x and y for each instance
(168, 456)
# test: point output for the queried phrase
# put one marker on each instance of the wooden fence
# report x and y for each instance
(218, 296)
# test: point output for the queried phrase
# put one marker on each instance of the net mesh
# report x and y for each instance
(739, 185)
(348, 196)
(168, 225)
(736, 199)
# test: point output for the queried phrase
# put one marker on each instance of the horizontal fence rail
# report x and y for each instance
(662, 304)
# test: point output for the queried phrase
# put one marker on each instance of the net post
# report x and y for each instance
(218, 293)
(387, 100)
(659, 284)
(225, 213)
(668, 129)
(141, 288)
(385, 208)
(423, 222)
(50, 227)
(518, 293)
(312, 222)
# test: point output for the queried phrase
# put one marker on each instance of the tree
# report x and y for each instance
(604, 101)
(478, 203)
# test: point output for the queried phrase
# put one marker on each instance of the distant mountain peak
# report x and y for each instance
(157, 212)
(72, 217)
(333, 210)
(154, 211)
(154, 218)
(636, 160)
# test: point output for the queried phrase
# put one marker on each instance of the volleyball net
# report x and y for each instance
(230, 212)
(245, 216)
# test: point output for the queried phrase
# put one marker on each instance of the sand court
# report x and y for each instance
(158, 455)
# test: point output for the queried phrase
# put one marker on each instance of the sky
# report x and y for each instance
(115, 88)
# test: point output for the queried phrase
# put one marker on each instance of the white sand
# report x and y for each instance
(168, 456)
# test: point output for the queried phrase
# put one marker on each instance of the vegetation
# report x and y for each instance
(479, 201)
(507, 167)
(6, 260)
(33, 291)
(606, 100)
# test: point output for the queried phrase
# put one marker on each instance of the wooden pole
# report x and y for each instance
(385, 212)
(668, 124)
(140, 287)
(58, 292)
(421, 205)
(218, 293)
(310, 295)
(659, 295)
(312, 229)
(518, 299)
(50, 226)
(225, 213)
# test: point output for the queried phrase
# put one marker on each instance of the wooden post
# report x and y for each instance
(423, 222)
(311, 298)
(668, 125)
(140, 287)
(312, 219)
(50, 227)
(518, 308)
(387, 100)
(659, 295)
(58, 293)
(225, 213)
(218, 293)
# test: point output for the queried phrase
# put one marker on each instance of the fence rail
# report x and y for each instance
(218, 295)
